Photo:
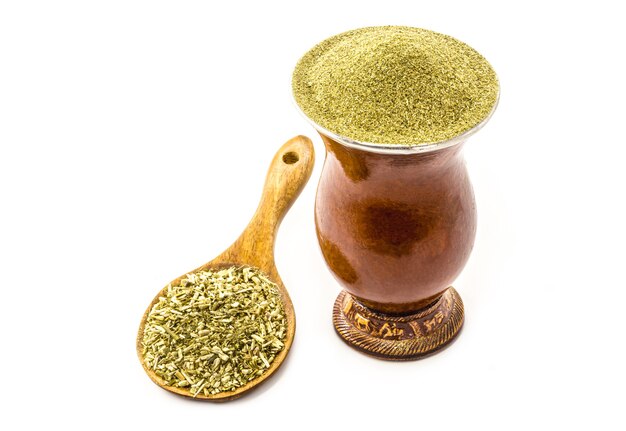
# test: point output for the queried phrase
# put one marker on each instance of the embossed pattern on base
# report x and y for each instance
(399, 337)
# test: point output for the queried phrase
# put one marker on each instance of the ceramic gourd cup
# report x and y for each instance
(396, 227)
(396, 222)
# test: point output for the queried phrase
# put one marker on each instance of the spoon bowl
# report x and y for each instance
(288, 174)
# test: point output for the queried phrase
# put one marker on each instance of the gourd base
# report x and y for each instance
(396, 337)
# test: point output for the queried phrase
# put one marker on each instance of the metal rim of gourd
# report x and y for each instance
(398, 148)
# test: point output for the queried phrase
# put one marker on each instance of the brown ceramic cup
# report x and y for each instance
(396, 225)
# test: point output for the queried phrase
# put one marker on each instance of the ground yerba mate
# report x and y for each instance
(215, 331)
(395, 85)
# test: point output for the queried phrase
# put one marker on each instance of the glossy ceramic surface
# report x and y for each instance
(395, 229)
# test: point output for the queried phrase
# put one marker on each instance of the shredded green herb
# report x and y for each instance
(215, 331)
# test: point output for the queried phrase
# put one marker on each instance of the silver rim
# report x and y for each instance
(395, 148)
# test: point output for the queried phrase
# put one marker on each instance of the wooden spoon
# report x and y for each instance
(287, 176)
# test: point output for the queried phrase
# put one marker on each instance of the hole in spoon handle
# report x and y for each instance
(291, 157)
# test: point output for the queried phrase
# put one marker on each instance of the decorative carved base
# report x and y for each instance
(399, 337)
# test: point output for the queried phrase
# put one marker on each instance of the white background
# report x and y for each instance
(134, 140)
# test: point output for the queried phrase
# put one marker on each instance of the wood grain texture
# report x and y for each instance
(288, 174)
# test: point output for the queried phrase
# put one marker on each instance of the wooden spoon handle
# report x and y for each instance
(288, 174)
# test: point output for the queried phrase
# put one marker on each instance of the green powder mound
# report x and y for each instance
(395, 85)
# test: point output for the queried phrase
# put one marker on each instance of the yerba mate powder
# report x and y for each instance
(395, 85)
(215, 331)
